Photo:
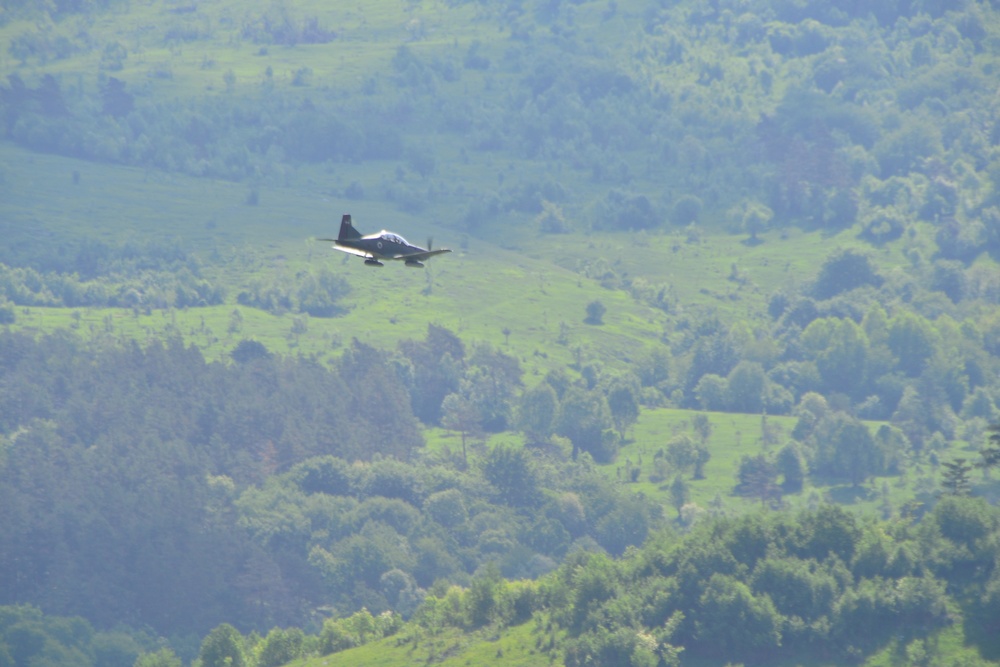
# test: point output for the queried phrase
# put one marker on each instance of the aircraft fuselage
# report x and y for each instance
(381, 246)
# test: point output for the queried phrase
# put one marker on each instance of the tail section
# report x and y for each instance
(347, 230)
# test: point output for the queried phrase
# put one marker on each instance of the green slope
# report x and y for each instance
(537, 289)
(535, 286)
(479, 290)
(505, 284)
(525, 645)
(519, 647)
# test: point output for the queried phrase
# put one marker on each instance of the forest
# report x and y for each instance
(712, 378)
(148, 487)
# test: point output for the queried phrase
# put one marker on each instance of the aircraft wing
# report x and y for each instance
(352, 251)
(422, 255)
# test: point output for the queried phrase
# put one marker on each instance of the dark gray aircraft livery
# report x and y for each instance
(383, 245)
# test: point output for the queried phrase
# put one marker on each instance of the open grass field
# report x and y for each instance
(523, 645)
(734, 436)
(535, 286)
(478, 290)
(188, 51)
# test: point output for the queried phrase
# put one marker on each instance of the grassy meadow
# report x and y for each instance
(524, 645)
(478, 290)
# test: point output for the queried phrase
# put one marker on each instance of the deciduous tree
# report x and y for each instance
(536, 413)
(732, 621)
(511, 472)
(583, 417)
(624, 406)
(459, 414)
(223, 647)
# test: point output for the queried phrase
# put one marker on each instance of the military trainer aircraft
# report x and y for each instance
(383, 245)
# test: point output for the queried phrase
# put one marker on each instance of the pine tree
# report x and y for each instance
(991, 452)
(956, 477)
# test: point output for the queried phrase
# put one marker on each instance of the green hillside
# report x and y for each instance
(517, 646)
(520, 646)
(711, 376)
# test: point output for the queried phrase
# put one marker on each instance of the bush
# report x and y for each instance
(281, 647)
(843, 271)
(686, 210)
(595, 313)
(356, 630)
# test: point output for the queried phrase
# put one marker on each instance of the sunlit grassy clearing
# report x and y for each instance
(518, 646)
(734, 436)
(188, 52)
(478, 291)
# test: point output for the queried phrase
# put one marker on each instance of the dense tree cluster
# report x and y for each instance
(318, 294)
(91, 273)
(27, 287)
(758, 589)
(862, 346)
(482, 392)
(765, 587)
(29, 637)
(144, 276)
(122, 467)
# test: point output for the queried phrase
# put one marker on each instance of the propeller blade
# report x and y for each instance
(430, 243)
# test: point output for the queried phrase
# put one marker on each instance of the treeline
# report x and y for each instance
(29, 637)
(683, 124)
(145, 486)
(89, 273)
(27, 287)
(758, 589)
(120, 465)
(763, 588)
(154, 275)
(317, 294)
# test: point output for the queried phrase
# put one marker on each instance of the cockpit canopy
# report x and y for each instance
(389, 236)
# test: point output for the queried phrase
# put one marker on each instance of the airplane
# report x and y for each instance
(383, 245)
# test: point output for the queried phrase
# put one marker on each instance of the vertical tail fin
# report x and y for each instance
(347, 230)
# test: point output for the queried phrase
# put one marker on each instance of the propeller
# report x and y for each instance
(430, 243)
